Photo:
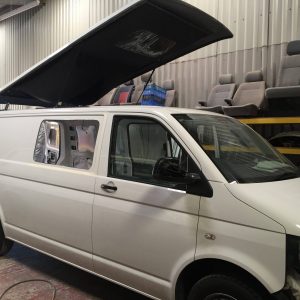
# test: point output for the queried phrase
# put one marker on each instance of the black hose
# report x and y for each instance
(30, 280)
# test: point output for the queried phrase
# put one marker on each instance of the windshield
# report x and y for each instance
(238, 152)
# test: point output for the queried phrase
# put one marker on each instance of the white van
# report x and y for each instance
(172, 203)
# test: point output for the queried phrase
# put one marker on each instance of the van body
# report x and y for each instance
(79, 184)
(172, 203)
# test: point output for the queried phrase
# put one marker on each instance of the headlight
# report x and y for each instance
(293, 252)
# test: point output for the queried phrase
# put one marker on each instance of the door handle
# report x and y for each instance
(109, 187)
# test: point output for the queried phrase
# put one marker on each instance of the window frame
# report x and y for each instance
(62, 141)
(113, 133)
(43, 123)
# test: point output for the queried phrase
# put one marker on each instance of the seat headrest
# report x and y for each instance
(145, 77)
(226, 79)
(254, 76)
(168, 84)
(293, 48)
(139, 87)
(130, 82)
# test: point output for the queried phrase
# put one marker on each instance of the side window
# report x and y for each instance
(137, 145)
(67, 143)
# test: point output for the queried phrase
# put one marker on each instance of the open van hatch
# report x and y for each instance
(138, 38)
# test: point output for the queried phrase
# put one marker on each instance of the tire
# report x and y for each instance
(222, 287)
(5, 245)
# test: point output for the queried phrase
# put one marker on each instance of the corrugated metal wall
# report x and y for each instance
(261, 30)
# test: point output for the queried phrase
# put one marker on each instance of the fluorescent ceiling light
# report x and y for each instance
(17, 8)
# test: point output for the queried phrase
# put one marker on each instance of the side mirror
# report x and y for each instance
(168, 169)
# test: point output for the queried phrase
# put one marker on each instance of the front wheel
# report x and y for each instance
(5, 245)
(222, 287)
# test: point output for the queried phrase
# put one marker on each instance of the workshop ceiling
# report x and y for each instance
(9, 8)
(9, 5)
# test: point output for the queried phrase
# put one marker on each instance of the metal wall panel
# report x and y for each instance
(99, 9)
(193, 79)
(2, 55)
(284, 26)
(210, 7)
(261, 30)
(284, 21)
(247, 21)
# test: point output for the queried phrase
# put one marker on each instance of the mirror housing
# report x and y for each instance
(168, 169)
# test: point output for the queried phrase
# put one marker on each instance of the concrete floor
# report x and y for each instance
(23, 264)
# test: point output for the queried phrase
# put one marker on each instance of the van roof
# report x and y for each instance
(140, 37)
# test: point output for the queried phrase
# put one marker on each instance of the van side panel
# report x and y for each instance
(243, 236)
(48, 207)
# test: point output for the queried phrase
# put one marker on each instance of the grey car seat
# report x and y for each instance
(224, 90)
(106, 99)
(288, 81)
(140, 87)
(123, 93)
(168, 85)
(115, 95)
(249, 97)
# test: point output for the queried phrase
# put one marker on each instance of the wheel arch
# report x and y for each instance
(202, 267)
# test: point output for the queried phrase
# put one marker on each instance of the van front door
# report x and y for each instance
(143, 228)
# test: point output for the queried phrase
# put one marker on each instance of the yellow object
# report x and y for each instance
(279, 120)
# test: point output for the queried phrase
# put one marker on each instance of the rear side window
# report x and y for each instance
(69, 143)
